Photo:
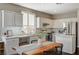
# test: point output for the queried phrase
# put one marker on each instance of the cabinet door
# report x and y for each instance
(8, 18)
(73, 28)
(11, 43)
(18, 19)
(38, 22)
(0, 22)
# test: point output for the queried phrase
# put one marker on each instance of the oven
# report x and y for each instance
(24, 41)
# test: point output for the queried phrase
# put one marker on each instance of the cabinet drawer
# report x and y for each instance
(1, 48)
(1, 45)
(1, 52)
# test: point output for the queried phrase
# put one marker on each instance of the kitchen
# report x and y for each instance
(20, 26)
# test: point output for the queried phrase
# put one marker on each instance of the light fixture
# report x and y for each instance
(54, 10)
(59, 3)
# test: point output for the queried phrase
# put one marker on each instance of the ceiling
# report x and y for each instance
(52, 8)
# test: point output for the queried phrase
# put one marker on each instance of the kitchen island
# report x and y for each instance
(35, 49)
(14, 41)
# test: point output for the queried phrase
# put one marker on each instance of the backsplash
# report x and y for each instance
(18, 30)
(15, 30)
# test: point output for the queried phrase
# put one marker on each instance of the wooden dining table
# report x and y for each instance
(45, 48)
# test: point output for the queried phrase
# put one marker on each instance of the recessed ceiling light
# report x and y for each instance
(54, 10)
(59, 3)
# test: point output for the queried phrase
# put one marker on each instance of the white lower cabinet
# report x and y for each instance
(11, 43)
(69, 43)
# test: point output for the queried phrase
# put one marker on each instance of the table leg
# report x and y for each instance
(61, 48)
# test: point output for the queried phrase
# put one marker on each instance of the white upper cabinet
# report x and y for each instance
(0, 22)
(12, 19)
(8, 18)
(18, 19)
(38, 22)
(77, 13)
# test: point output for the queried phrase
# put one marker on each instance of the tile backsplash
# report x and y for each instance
(15, 30)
